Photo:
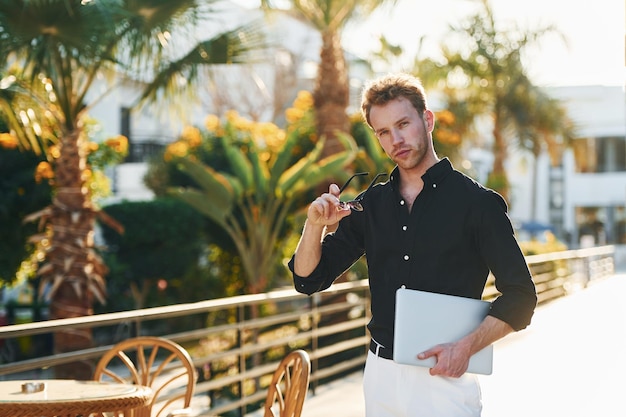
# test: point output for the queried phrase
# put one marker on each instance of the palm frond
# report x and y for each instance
(174, 77)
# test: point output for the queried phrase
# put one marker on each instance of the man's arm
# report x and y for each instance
(453, 358)
(322, 213)
(309, 249)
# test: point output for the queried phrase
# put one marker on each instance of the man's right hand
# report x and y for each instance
(327, 210)
(322, 217)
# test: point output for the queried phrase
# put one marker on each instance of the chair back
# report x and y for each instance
(155, 362)
(289, 385)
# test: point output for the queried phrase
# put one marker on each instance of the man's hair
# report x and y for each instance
(390, 87)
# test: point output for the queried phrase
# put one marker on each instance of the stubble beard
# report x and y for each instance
(414, 159)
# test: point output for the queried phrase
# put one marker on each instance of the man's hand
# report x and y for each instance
(326, 210)
(323, 215)
(452, 359)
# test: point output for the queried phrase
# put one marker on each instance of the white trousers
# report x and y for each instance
(396, 390)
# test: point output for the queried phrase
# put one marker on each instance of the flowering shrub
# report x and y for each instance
(250, 177)
(8, 141)
(445, 131)
(268, 139)
(111, 151)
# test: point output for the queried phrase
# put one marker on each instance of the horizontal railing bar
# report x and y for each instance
(341, 367)
(153, 313)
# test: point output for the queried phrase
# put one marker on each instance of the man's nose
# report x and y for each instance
(396, 137)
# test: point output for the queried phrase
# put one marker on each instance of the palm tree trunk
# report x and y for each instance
(74, 266)
(498, 179)
(332, 95)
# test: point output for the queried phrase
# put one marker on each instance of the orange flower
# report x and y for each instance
(293, 114)
(92, 147)
(43, 171)
(232, 115)
(212, 122)
(8, 141)
(445, 117)
(356, 118)
(192, 136)
(55, 152)
(176, 150)
(118, 143)
(304, 100)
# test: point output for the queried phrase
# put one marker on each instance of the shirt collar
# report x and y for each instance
(432, 176)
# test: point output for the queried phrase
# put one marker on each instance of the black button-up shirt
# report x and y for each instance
(456, 232)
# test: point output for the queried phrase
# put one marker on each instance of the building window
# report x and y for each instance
(601, 225)
(145, 151)
(605, 154)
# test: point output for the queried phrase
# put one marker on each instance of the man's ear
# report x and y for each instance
(429, 120)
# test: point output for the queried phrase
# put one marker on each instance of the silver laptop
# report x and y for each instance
(425, 319)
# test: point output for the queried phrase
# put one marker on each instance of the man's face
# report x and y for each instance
(403, 133)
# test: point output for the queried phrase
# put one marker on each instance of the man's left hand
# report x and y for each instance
(452, 359)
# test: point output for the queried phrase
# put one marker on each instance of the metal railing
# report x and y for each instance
(241, 339)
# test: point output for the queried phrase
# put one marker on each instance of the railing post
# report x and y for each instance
(314, 301)
(241, 318)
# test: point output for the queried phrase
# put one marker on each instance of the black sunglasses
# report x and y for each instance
(356, 204)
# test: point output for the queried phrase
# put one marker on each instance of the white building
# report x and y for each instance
(583, 199)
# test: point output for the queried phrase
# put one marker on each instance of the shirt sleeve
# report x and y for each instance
(507, 263)
(340, 250)
(311, 284)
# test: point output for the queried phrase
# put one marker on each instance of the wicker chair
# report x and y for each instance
(158, 363)
(290, 382)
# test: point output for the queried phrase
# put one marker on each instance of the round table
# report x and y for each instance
(65, 397)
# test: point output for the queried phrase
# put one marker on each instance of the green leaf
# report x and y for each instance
(291, 175)
(236, 185)
(261, 175)
(212, 182)
(283, 158)
(329, 167)
(235, 46)
(239, 163)
(208, 206)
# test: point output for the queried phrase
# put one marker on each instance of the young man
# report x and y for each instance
(429, 228)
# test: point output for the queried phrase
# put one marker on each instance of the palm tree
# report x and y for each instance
(252, 202)
(491, 63)
(64, 46)
(542, 124)
(332, 90)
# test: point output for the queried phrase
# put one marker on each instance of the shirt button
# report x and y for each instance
(434, 185)
(406, 257)
(404, 228)
(401, 202)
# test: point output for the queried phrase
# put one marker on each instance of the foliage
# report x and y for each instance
(486, 77)
(266, 174)
(27, 184)
(20, 194)
(61, 50)
(54, 63)
(162, 239)
(546, 244)
(450, 128)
